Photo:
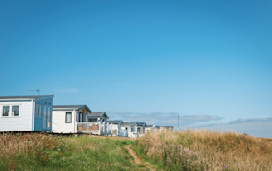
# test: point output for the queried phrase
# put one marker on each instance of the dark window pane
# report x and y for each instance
(68, 118)
(15, 110)
(5, 110)
(92, 120)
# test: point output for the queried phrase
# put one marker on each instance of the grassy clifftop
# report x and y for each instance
(205, 150)
(189, 150)
(46, 152)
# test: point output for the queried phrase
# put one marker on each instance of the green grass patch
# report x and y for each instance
(41, 152)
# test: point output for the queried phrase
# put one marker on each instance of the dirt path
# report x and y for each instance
(137, 160)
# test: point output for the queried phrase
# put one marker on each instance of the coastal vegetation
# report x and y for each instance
(187, 150)
(47, 152)
(205, 150)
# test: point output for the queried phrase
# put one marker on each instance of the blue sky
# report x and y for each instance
(208, 61)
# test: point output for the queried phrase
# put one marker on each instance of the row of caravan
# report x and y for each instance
(37, 113)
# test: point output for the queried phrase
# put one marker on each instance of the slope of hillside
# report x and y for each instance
(46, 152)
(205, 150)
(189, 150)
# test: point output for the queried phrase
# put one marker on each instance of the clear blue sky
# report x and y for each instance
(209, 61)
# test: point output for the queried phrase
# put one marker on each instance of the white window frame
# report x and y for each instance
(2, 111)
(67, 117)
(10, 110)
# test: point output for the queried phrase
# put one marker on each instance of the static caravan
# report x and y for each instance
(141, 128)
(150, 128)
(26, 113)
(114, 127)
(129, 129)
(166, 128)
(68, 118)
(98, 119)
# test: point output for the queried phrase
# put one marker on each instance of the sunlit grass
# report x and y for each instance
(46, 152)
(205, 150)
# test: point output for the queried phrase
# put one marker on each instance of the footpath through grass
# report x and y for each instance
(46, 152)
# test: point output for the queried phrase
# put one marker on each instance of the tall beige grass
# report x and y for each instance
(26, 145)
(207, 150)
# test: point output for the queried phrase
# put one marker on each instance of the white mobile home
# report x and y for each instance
(98, 120)
(114, 127)
(166, 128)
(141, 128)
(67, 118)
(129, 129)
(26, 113)
(150, 128)
(97, 117)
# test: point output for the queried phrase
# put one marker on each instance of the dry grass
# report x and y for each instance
(47, 152)
(34, 146)
(206, 150)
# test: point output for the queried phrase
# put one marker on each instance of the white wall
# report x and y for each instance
(114, 127)
(133, 134)
(23, 122)
(59, 125)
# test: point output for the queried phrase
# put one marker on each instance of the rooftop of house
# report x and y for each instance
(129, 124)
(116, 121)
(140, 123)
(76, 107)
(150, 126)
(166, 127)
(30, 97)
(98, 114)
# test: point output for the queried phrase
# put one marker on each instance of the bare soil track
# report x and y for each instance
(137, 160)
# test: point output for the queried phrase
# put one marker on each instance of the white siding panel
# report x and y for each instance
(59, 125)
(21, 123)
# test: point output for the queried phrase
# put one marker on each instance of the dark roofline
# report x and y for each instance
(115, 121)
(77, 107)
(149, 125)
(98, 114)
(167, 126)
(26, 97)
(129, 123)
(140, 123)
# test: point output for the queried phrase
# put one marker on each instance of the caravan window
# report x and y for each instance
(49, 117)
(44, 109)
(40, 110)
(68, 117)
(15, 110)
(37, 110)
(92, 120)
(5, 110)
